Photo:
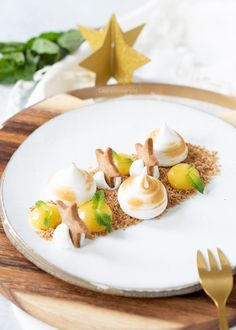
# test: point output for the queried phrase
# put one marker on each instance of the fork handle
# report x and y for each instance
(222, 317)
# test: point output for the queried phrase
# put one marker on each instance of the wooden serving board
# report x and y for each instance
(66, 306)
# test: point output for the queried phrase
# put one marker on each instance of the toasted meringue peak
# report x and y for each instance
(169, 146)
(72, 184)
(142, 197)
(138, 168)
(101, 183)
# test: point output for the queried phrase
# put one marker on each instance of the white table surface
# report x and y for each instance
(21, 19)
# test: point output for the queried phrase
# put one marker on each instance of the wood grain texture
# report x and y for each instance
(69, 307)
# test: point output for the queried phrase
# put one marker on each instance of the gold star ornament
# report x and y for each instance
(113, 54)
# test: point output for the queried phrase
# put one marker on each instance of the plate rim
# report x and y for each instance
(45, 265)
(40, 262)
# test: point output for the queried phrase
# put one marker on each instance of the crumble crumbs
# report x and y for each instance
(204, 160)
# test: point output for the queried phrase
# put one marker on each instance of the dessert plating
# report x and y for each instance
(124, 189)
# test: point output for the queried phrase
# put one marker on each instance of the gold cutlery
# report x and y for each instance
(216, 282)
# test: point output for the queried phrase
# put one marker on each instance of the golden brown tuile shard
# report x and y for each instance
(70, 217)
(107, 166)
(146, 153)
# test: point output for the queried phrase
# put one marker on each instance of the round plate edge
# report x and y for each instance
(42, 264)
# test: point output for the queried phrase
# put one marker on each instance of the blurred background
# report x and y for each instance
(189, 42)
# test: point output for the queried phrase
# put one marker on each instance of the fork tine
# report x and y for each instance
(201, 264)
(223, 260)
(212, 261)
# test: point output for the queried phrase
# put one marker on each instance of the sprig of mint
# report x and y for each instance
(195, 180)
(118, 159)
(46, 221)
(98, 199)
(21, 60)
(115, 156)
(41, 205)
(102, 218)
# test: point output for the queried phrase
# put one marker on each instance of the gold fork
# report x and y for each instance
(216, 282)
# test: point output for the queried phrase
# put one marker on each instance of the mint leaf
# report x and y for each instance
(47, 218)
(41, 205)
(25, 72)
(17, 57)
(52, 36)
(104, 220)
(13, 67)
(115, 156)
(31, 56)
(43, 46)
(7, 70)
(196, 182)
(21, 60)
(98, 199)
(70, 40)
(29, 43)
(9, 47)
(46, 222)
(127, 160)
(48, 59)
(191, 167)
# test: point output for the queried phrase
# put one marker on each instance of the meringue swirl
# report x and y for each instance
(72, 185)
(169, 146)
(142, 197)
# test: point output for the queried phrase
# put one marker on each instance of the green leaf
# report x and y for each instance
(46, 222)
(115, 156)
(41, 205)
(7, 70)
(13, 67)
(10, 47)
(52, 36)
(47, 218)
(21, 60)
(17, 57)
(25, 72)
(191, 167)
(98, 199)
(43, 46)
(49, 59)
(30, 42)
(70, 40)
(104, 220)
(196, 182)
(127, 160)
(31, 57)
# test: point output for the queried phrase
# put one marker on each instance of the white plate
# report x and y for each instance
(153, 258)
